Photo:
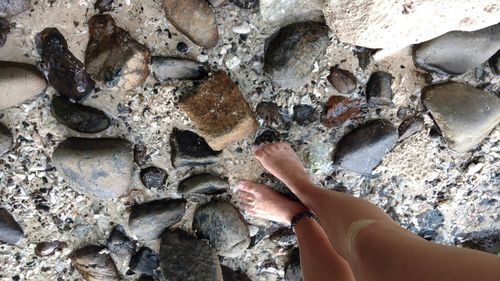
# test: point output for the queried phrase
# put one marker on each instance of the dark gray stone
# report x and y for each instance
(94, 265)
(9, 8)
(484, 240)
(189, 149)
(81, 118)
(429, 222)
(148, 220)
(185, 258)
(153, 177)
(203, 183)
(141, 156)
(43, 249)
(378, 89)
(121, 248)
(145, 262)
(98, 168)
(10, 231)
(410, 126)
(457, 52)
(268, 136)
(6, 141)
(217, 3)
(291, 53)
(223, 225)
(168, 68)
(4, 31)
(272, 114)
(246, 4)
(304, 114)
(342, 80)
(293, 272)
(494, 63)
(229, 274)
(103, 5)
(364, 148)
(464, 114)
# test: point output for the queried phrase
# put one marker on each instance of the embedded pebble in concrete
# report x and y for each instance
(94, 264)
(410, 126)
(43, 249)
(223, 225)
(4, 31)
(339, 110)
(169, 68)
(189, 149)
(145, 262)
(494, 63)
(195, 19)
(291, 53)
(457, 52)
(283, 12)
(9, 8)
(272, 114)
(80, 118)
(148, 220)
(121, 248)
(464, 114)
(98, 168)
(6, 140)
(428, 223)
(268, 136)
(103, 5)
(113, 57)
(217, 3)
(183, 257)
(141, 156)
(10, 231)
(379, 89)
(485, 240)
(304, 114)
(19, 82)
(246, 4)
(363, 149)
(153, 177)
(63, 70)
(293, 271)
(203, 183)
(342, 80)
(229, 274)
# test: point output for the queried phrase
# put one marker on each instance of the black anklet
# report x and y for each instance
(298, 217)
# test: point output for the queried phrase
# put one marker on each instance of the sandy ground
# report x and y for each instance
(420, 174)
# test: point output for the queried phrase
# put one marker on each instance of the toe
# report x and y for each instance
(245, 197)
(246, 186)
(247, 208)
(259, 152)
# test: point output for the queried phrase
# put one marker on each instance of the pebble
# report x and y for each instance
(148, 220)
(229, 274)
(231, 122)
(182, 47)
(457, 52)
(121, 248)
(207, 184)
(410, 126)
(291, 53)
(19, 82)
(484, 240)
(4, 31)
(283, 12)
(363, 149)
(103, 5)
(153, 177)
(304, 114)
(339, 110)
(494, 63)
(9, 8)
(10, 231)
(183, 257)
(429, 221)
(43, 249)
(141, 156)
(63, 70)
(379, 89)
(293, 271)
(268, 136)
(6, 140)
(98, 168)
(189, 149)
(145, 278)
(464, 114)
(246, 4)
(80, 118)
(169, 68)
(198, 24)
(145, 262)
(94, 265)
(272, 114)
(242, 28)
(113, 57)
(217, 3)
(223, 225)
(342, 80)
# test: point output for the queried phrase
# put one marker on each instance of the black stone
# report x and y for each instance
(233, 275)
(410, 126)
(272, 114)
(81, 118)
(293, 271)
(121, 247)
(182, 47)
(6, 140)
(10, 231)
(189, 149)
(494, 63)
(378, 89)
(246, 4)
(203, 183)
(4, 31)
(268, 136)
(145, 262)
(145, 278)
(304, 114)
(103, 5)
(364, 56)
(63, 70)
(153, 177)
(484, 240)
(169, 68)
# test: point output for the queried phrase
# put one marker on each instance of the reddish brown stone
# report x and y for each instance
(340, 109)
(219, 111)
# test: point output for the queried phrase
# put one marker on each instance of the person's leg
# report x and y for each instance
(318, 260)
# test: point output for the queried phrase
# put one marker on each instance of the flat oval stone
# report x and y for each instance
(6, 141)
(43, 249)
(81, 118)
(195, 19)
(183, 257)
(19, 82)
(223, 225)
(464, 114)
(98, 168)
(364, 148)
(10, 231)
(342, 80)
(153, 177)
(168, 68)
(94, 265)
(203, 183)
(9, 8)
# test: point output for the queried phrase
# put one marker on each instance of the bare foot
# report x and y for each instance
(261, 201)
(280, 160)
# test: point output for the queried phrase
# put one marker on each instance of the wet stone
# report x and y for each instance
(10, 231)
(223, 226)
(189, 149)
(342, 80)
(145, 262)
(121, 248)
(379, 89)
(457, 52)
(148, 220)
(246, 4)
(185, 258)
(195, 19)
(103, 5)
(6, 140)
(268, 136)
(363, 149)
(98, 168)
(93, 264)
(168, 68)
(182, 47)
(43, 249)
(484, 240)
(229, 274)
(63, 70)
(304, 114)
(113, 57)
(203, 183)
(153, 177)
(495, 63)
(19, 82)
(231, 122)
(410, 126)
(291, 53)
(272, 114)
(80, 118)
(4, 31)
(9, 8)
(464, 114)
(339, 110)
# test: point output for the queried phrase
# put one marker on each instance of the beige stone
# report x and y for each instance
(19, 82)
